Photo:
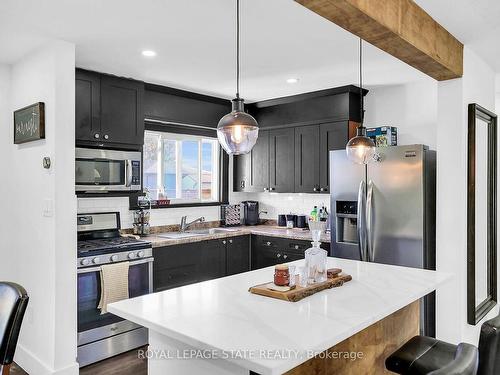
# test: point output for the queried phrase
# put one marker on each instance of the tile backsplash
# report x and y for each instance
(273, 203)
(283, 203)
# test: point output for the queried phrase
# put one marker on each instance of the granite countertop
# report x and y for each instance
(221, 232)
(222, 315)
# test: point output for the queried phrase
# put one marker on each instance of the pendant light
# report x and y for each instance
(237, 131)
(361, 148)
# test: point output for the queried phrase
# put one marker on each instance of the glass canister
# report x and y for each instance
(281, 275)
(316, 257)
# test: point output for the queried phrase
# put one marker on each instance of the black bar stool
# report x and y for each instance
(13, 302)
(428, 356)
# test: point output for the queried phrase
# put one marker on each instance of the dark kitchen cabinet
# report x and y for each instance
(281, 160)
(269, 166)
(321, 121)
(333, 136)
(122, 111)
(258, 159)
(87, 105)
(176, 266)
(251, 171)
(307, 156)
(213, 259)
(109, 111)
(269, 251)
(189, 263)
(237, 255)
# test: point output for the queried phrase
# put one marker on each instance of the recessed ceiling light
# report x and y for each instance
(148, 53)
(292, 80)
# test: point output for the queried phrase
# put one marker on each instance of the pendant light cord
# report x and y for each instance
(360, 81)
(237, 49)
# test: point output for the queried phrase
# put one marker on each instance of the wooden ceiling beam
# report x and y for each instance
(400, 28)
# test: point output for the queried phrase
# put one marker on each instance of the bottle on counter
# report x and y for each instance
(316, 257)
(314, 214)
(316, 263)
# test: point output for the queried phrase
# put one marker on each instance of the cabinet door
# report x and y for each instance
(213, 259)
(258, 164)
(240, 172)
(122, 111)
(333, 136)
(307, 159)
(87, 106)
(281, 160)
(176, 266)
(237, 255)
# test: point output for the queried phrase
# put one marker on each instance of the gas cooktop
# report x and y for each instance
(109, 245)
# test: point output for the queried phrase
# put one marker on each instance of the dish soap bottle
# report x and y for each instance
(316, 257)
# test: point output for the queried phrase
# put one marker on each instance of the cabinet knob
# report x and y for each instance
(268, 243)
(278, 255)
(296, 247)
(323, 189)
(106, 136)
(285, 256)
(230, 241)
(242, 184)
(272, 189)
(315, 189)
(224, 242)
(266, 189)
(97, 136)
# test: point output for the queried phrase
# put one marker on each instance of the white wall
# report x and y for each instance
(412, 108)
(40, 250)
(476, 86)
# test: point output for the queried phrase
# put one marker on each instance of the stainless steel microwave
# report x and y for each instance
(101, 171)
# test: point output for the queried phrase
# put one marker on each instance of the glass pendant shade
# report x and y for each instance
(237, 131)
(361, 148)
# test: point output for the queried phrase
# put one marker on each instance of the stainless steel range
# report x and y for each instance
(102, 336)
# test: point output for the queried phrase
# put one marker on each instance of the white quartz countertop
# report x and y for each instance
(275, 336)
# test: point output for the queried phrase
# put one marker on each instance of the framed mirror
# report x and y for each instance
(481, 213)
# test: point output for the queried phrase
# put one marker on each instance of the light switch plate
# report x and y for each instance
(48, 207)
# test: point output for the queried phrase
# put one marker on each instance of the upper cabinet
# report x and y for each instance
(295, 138)
(109, 111)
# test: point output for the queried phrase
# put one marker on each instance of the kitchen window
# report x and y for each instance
(182, 168)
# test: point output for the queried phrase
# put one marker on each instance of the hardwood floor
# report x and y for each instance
(123, 364)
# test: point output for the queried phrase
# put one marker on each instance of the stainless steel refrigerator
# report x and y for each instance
(385, 212)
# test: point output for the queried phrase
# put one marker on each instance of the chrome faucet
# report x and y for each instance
(184, 225)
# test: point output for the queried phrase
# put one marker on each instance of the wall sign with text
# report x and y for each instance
(29, 123)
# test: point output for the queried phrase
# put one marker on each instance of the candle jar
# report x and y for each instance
(281, 275)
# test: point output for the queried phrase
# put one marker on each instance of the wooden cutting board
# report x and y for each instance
(298, 292)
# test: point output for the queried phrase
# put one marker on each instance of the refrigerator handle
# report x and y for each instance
(361, 221)
(369, 222)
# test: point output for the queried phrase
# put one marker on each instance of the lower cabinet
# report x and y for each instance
(189, 263)
(237, 255)
(269, 251)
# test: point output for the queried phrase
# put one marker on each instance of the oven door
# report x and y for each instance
(107, 170)
(93, 326)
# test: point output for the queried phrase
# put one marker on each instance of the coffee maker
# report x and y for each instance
(250, 212)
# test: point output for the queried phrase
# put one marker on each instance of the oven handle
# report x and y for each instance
(98, 268)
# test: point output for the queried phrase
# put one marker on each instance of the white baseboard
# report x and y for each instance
(34, 366)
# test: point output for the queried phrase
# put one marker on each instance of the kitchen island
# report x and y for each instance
(218, 327)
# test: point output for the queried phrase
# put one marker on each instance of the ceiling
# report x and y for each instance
(195, 44)
(475, 23)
